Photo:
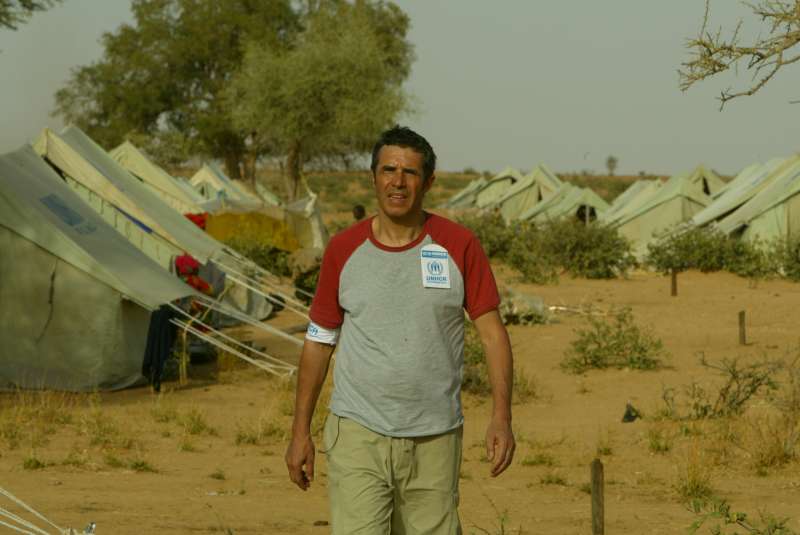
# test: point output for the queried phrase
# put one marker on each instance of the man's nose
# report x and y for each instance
(399, 179)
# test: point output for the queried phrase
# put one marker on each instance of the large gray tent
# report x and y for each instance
(75, 298)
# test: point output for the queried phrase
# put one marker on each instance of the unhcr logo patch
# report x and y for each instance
(435, 267)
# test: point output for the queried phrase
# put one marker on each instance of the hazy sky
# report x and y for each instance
(511, 82)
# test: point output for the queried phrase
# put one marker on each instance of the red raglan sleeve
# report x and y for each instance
(480, 288)
(325, 309)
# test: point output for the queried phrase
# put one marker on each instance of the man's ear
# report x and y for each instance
(429, 183)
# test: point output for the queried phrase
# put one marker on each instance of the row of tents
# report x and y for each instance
(762, 202)
(88, 244)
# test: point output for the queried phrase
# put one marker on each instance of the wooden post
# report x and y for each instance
(598, 502)
(674, 275)
(742, 332)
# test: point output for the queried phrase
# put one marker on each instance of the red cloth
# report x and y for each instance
(186, 265)
(198, 219)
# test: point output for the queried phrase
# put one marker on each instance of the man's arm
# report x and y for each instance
(500, 442)
(311, 374)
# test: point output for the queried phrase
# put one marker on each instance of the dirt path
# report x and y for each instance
(216, 448)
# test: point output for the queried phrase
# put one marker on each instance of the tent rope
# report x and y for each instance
(17, 501)
(244, 318)
(192, 320)
(268, 297)
(285, 371)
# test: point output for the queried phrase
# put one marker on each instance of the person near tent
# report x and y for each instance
(391, 296)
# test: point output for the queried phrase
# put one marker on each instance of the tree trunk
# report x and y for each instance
(293, 171)
(249, 164)
(233, 162)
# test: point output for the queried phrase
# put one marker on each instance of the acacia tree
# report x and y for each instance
(611, 164)
(15, 12)
(333, 92)
(712, 53)
(160, 80)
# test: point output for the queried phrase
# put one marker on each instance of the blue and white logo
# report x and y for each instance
(435, 268)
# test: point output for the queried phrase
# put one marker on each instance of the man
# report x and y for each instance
(391, 295)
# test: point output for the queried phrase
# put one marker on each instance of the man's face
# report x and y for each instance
(399, 183)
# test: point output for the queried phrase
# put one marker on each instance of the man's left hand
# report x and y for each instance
(500, 445)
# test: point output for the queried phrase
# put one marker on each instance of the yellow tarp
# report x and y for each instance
(252, 227)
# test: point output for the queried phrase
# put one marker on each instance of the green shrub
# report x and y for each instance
(593, 251)
(787, 258)
(618, 343)
(476, 372)
(490, 229)
(697, 248)
(709, 250)
(270, 258)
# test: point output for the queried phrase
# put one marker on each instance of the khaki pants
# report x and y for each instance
(380, 485)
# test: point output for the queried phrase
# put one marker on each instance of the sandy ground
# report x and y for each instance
(216, 445)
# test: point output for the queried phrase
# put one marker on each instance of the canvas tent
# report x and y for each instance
(746, 185)
(75, 299)
(124, 201)
(641, 189)
(496, 187)
(137, 213)
(774, 213)
(466, 196)
(675, 202)
(213, 185)
(533, 188)
(569, 201)
(156, 179)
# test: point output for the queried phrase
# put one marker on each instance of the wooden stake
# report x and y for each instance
(598, 502)
(674, 275)
(742, 332)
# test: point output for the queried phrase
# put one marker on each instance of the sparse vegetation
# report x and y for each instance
(729, 521)
(618, 343)
(541, 251)
(553, 478)
(694, 478)
(538, 459)
(740, 383)
(709, 250)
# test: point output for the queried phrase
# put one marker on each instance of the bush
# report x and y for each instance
(709, 250)
(787, 258)
(618, 343)
(740, 384)
(698, 248)
(593, 251)
(270, 258)
(490, 229)
(540, 251)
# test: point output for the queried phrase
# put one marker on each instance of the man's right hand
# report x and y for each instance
(300, 461)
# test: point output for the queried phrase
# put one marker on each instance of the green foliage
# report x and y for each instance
(740, 383)
(787, 258)
(709, 250)
(618, 343)
(476, 372)
(161, 78)
(593, 251)
(16, 12)
(333, 92)
(730, 521)
(270, 258)
(540, 251)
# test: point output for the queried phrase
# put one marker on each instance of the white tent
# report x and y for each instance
(75, 299)
(746, 185)
(167, 188)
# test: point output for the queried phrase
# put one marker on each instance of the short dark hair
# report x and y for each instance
(403, 136)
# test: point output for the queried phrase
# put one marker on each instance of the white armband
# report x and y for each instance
(317, 333)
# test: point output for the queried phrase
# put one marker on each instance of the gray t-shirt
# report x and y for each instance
(401, 312)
